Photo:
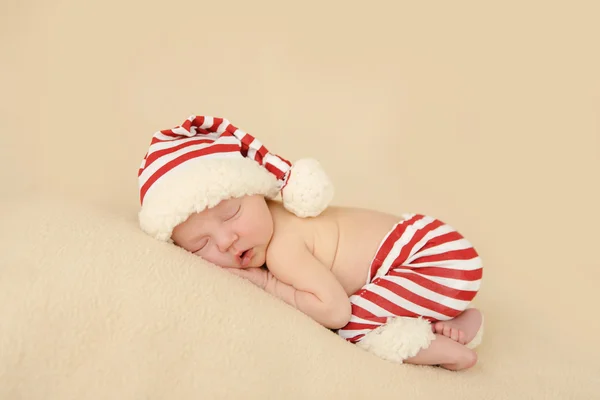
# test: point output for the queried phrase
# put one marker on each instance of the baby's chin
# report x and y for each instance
(259, 259)
(256, 262)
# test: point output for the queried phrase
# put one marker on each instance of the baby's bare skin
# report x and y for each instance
(461, 329)
(314, 264)
(344, 240)
(332, 239)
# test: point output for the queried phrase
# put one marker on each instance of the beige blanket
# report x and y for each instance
(92, 308)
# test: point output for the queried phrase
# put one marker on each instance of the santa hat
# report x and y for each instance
(205, 160)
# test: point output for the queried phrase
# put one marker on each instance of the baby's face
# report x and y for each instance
(233, 234)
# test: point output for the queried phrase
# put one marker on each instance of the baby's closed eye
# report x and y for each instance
(234, 211)
(201, 245)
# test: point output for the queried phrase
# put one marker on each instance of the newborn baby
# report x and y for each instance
(348, 268)
(210, 188)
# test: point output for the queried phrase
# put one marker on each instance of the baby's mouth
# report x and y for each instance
(245, 257)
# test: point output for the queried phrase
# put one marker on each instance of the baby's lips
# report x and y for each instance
(247, 257)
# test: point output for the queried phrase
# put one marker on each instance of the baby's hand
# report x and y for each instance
(257, 276)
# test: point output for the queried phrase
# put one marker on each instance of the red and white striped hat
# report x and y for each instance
(205, 160)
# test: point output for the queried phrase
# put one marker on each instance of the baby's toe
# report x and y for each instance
(462, 337)
(447, 331)
(454, 333)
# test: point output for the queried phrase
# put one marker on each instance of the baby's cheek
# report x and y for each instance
(260, 229)
(219, 259)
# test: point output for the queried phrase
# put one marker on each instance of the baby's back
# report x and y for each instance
(344, 240)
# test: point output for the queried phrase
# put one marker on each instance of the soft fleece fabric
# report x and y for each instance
(90, 307)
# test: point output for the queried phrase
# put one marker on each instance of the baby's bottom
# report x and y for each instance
(423, 268)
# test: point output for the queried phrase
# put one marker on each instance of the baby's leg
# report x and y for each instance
(462, 328)
(446, 353)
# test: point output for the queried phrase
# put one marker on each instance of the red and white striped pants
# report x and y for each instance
(423, 268)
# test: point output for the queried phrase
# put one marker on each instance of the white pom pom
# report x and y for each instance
(398, 339)
(309, 190)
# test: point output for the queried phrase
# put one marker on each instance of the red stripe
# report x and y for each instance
(473, 275)
(357, 326)
(417, 237)
(143, 165)
(442, 239)
(387, 245)
(275, 171)
(221, 148)
(392, 308)
(216, 123)
(360, 312)
(246, 140)
(417, 299)
(160, 153)
(198, 121)
(260, 154)
(176, 137)
(187, 125)
(170, 133)
(233, 130)
(457, 294)
(356, 338)
(462, 254)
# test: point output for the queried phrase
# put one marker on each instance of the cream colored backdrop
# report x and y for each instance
(484, 114)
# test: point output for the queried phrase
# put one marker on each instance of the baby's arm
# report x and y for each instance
(300, 280)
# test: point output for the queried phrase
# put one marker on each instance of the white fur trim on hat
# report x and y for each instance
(206, 160)
(197, 185)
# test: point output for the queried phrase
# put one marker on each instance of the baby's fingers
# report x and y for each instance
(251, 275)
(236, 271)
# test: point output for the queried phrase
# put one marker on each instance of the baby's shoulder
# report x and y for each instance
(284, 242)
(286, 247)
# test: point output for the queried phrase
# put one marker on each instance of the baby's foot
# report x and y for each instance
(462, 328)
(446, 353)
(463, 359)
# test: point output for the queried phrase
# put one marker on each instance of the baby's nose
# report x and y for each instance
(227, 242)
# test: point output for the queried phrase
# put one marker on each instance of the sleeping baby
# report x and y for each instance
(212, 189)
